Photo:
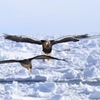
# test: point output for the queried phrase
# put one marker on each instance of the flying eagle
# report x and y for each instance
(27, 63)
(46, 44)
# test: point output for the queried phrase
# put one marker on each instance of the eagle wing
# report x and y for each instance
(87, 37)
(74, 38)
(8, 61)
(21, 39)
(46, 57)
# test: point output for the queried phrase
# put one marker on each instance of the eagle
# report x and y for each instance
(46, 44)
(27, 63)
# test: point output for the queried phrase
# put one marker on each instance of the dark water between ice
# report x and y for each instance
(72, 81)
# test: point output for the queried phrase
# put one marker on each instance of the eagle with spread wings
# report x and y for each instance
(46, 44)
(27, 63)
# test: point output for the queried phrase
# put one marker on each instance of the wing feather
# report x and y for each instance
(8, 61)
(46, 57)
(21, 39)
(89, 37)
(74, 38)
(83, 36)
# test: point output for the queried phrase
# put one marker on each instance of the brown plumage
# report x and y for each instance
(27, 63)
(46, 44)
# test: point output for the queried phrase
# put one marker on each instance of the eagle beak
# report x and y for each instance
(47, 43)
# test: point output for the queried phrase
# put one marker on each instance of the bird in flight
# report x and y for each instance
(47, 44)
(27, 63)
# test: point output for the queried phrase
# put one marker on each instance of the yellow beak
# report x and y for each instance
(47, 43)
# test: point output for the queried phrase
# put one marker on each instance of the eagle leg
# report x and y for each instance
(30, 70)
(27, 68)
(43, 60)
(48, 59)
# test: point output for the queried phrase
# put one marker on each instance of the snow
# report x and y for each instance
(79, 79)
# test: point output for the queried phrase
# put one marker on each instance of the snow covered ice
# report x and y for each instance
(54, 80)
